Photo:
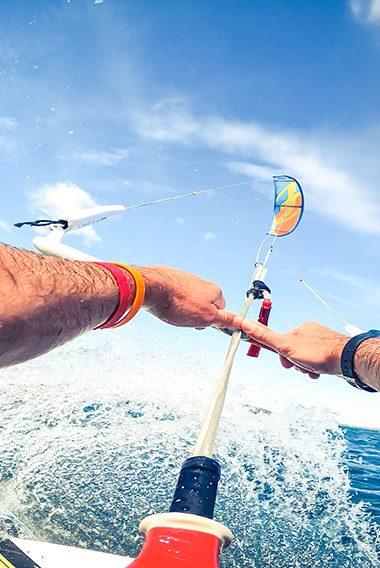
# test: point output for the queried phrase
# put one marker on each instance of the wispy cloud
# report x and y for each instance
(7, 123)
(99, 157)
(254, 171)
(7, 145)
(356, 281)
(366, 11)
(209, 237)
(358, 305)
(332, 191)
(4, 226)
(169, 119)
(368, 290)
(63, 200)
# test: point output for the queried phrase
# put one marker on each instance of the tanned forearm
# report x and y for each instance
(48, 301)
(367, 362)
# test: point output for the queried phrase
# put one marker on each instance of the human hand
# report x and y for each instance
(311, 348)
(184, 299)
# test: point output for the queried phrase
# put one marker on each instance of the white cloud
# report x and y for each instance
(209, 237)
(366, 11)
(356, 281)
(4, 226)
(7, 123)
(332, 190)
(63, 200)
(169, 119)
(180, 221)
(7, 145)
(251, 170)
(368, 290)
(355, 6)
(99, 158)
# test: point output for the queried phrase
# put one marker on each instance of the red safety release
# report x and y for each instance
(263, 318)
(173, 548)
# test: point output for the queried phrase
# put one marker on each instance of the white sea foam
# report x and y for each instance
(92, 441)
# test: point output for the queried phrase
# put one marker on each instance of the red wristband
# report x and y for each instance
(125, 300)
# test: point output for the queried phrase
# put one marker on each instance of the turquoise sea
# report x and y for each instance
(363, 463)
(85, 456)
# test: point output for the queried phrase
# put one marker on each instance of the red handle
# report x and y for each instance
(173, 548)
(263, 318)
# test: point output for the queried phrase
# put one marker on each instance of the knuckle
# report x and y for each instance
(261, 333)
(209, 316)
(215, 288)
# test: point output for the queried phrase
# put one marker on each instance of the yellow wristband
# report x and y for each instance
(139, 293)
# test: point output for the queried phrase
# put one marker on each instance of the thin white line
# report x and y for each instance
(192, 193)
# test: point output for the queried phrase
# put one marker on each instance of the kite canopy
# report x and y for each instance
(288, 206)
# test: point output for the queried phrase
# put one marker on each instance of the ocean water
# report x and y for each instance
(363, 462)
(91, 442)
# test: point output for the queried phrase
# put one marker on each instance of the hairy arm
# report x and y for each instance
(47, 301)
(315, 350)
(367, 362)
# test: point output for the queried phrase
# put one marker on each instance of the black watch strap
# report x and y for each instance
(347, 359)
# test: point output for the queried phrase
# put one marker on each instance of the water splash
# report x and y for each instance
(92, 442)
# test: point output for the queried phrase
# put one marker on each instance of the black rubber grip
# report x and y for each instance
(197, 487)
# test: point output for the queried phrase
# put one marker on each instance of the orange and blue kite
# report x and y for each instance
(288, 206)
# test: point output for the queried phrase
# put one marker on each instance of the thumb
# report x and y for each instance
(227, 319)
(262, 334)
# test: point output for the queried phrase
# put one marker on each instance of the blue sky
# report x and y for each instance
(119, 101)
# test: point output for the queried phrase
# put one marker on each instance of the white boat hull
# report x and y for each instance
(49, 555)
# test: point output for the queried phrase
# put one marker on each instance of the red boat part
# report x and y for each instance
(181, 540)
(263, 318)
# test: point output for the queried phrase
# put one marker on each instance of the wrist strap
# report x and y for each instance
(347, 359)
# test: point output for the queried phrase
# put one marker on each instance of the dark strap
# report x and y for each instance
(44, 223)
(347, 359)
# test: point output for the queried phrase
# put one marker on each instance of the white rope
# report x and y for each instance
(300, 279)
(257, 260)
(191, 193)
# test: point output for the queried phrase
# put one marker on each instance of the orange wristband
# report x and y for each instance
(139, 293)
